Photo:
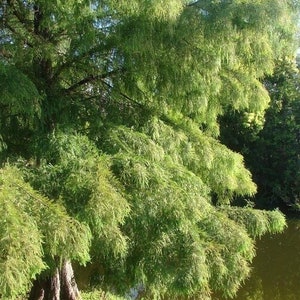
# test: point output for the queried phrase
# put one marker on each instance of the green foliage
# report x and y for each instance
(229, 252)
(214, 61)
(257, 222)
(18, 93)
(21, 250)
(19, 104)
(73, 173)
(33, 227)
(183, 144)
(99, 295)
(114, 127)
(181, 243)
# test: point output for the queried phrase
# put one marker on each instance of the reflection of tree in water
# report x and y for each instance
(276, 268)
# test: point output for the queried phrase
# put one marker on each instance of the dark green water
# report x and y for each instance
(276, 268)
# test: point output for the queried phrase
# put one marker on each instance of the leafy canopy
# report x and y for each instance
(109, 119)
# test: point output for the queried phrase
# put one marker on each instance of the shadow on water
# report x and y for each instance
(276, 268)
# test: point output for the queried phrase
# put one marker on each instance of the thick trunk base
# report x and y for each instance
(61, 286)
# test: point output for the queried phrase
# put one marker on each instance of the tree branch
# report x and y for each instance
(91, 78)
(122, 94)
(194, 3)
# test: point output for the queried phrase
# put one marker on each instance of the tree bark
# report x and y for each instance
(61, 286)
(55, 286)
(68, 284)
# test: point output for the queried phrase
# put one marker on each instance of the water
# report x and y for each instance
(276, 268)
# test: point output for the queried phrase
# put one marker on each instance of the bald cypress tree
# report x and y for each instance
(108, 142)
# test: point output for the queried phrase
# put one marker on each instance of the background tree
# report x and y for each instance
(270, 144)
(109, 118)
(279, 143)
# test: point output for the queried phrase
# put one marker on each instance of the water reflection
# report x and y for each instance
(276, 268)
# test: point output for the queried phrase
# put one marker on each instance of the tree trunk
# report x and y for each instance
(68, 284)
(55, 286)
(61, 286)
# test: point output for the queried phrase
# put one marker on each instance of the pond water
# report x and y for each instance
(276, 268)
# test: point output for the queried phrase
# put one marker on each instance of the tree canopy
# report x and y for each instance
(109, 140)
